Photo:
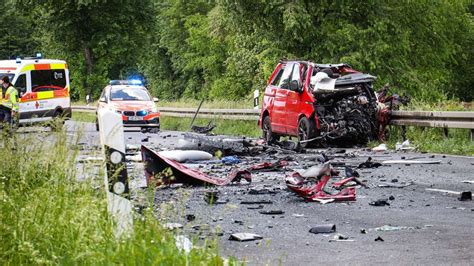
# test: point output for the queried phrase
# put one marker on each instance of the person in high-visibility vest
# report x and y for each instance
(10, 100)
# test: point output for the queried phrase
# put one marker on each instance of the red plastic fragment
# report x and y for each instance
(268, 165)
(295, 183)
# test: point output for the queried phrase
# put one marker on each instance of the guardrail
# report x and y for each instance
(437, 119)
(399, 118)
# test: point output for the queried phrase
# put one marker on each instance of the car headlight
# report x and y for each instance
(154, 109)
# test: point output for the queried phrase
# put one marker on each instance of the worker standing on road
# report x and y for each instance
(9, 102)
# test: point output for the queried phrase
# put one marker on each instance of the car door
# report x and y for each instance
(26, 105)
(279, 112)
(293, 100)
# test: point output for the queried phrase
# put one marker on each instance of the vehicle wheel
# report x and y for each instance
(96, 124)
(57, 123)
(267, 133)
(303, 131)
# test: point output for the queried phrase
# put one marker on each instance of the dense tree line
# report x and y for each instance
(228, 48)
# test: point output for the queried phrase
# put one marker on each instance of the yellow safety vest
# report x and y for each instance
(11, 101)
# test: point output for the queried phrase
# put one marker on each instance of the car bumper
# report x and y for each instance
(153, 122)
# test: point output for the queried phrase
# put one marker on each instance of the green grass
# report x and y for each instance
(48, 217)
(83, 116)
(223, 126)
(433, 140)
(448, 105)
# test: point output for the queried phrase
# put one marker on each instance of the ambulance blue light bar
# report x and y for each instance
(126, 82)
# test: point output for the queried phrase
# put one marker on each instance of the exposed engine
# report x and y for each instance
(347, 115)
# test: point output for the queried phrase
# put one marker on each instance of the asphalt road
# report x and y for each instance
(433, 227)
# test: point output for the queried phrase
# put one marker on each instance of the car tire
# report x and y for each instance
(267, 133)
(96, 124)
(303, 131)
(57, 122)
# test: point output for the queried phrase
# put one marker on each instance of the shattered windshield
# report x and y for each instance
(129, 94)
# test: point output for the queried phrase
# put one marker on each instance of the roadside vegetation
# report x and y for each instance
(226, 49)
(48, 217)
(433, 140)
(84, 117)
(248, 128)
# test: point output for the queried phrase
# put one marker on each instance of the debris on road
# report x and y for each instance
(468, 181)
(379, 239)
(183, 243)
(160, 170)
(463, 196)
(268, 166)
(203, 129)
(324, 201)
(404, 146)
(389, 228)
(410, 162)
(380, 147)
(467, 195)
(323, 229)
(272, 212)
(321, 175)
(230, 160)
(394, 185)
(188, 155)
(244, 237)
(256, 202)
(369, 164)
(341, 238)
(173, 226)
(380, 202)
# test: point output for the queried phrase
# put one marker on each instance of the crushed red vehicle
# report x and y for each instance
(327, 104)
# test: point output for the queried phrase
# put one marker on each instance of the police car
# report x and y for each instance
(133, 101)
(43, 87)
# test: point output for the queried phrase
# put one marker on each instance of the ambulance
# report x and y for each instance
(43, 87)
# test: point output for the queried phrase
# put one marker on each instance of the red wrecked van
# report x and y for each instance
(326, 104)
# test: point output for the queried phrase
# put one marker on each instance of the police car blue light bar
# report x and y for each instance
(126, 82)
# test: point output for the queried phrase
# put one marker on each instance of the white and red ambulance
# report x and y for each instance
(43, 87)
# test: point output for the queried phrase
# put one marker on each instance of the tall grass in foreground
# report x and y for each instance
(48, 217)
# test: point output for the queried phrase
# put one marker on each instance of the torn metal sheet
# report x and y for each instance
(165, 171)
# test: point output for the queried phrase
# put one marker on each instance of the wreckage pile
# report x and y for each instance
(169, 167)
(347, 116)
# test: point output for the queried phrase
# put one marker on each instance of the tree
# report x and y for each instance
(99, 39)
